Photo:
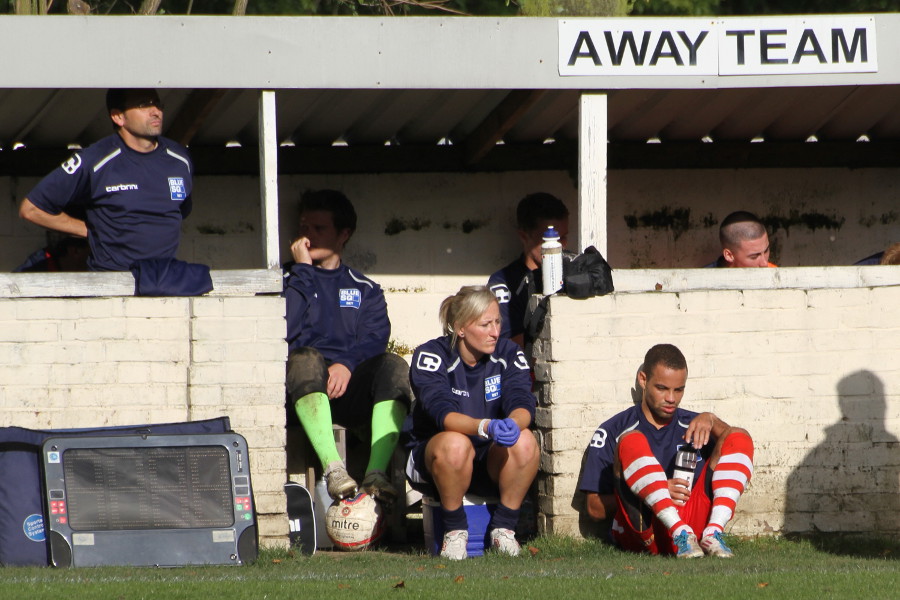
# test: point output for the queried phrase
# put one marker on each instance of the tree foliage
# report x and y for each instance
(274, 7)
(551, 8)
(675, 7)
(265, 7)
(761, 7)
(570, 8)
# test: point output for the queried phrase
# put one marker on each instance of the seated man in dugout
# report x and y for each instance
(338, 370)
(513, 283)
(745, 242)
(665, 474)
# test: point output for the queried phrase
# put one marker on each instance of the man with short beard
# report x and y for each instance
(127, 193)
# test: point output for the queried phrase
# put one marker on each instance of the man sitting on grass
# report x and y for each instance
(630, 461)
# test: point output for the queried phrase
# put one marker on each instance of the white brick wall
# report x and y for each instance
(812, 374)
(94, 362)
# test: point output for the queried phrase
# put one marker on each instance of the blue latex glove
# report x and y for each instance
(510, 433)
(504, 432)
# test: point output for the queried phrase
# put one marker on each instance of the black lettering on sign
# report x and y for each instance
(692, 46)
(765, 45)
(809, 37)
(666, 39)
(584, 38)
(740, 43)
(616, 54)
(839, 42)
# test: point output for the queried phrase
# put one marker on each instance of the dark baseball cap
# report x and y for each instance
(122, 98)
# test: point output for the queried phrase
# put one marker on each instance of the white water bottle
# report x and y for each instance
(320, 507)
(685, 464)
(551, 262)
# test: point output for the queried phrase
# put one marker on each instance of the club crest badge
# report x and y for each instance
(177, 189)
(350, 298)
(491, 388)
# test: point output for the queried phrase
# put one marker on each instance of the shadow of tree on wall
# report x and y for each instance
(848, 484)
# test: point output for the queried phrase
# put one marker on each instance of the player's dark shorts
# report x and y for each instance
(420, 479)
(636, 528)
(382, 377)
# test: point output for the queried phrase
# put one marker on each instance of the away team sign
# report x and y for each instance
(764, 46)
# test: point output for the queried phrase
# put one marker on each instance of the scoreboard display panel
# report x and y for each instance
(153, 500)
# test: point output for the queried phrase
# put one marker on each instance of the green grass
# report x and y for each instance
(550, 568)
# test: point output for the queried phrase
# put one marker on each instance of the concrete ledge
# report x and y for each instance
(807, 278)
(236, 282)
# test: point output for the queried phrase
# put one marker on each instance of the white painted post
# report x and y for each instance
(268, 179)
(592, 146)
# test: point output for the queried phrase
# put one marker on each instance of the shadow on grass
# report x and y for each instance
(847, 544)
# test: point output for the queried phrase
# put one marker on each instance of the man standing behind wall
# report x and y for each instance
(134, 188)
(534, 214)
(745, 242)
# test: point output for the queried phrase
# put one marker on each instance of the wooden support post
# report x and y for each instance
(268, 177)
(592, 159)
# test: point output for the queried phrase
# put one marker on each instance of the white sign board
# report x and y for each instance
(637, 47)
(761, 46)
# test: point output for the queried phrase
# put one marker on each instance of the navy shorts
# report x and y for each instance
(420, 478)
(382, 377)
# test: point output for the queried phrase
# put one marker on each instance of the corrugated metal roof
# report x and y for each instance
(44, 119)
(412, 82)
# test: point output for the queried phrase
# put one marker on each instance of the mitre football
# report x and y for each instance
(354, 523)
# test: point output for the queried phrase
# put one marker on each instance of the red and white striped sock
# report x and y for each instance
(730, 477)
(647, 479)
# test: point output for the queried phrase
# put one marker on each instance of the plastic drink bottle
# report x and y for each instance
(551, 262)
(320, 506)
(685, 463)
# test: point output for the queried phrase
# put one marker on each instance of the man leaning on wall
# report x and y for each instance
(745, 242)
(133, 188)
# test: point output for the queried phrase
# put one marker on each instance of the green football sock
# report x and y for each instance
(387, 417)
(314, 412)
